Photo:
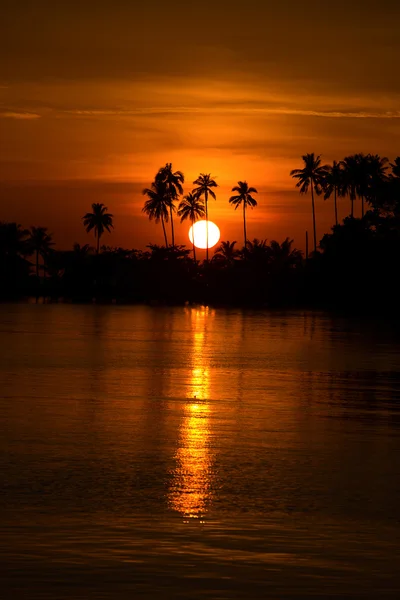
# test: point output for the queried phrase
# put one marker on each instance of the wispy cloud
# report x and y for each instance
(24, 116)
(127, 113)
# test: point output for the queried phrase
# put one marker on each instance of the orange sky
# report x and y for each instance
(94, 99)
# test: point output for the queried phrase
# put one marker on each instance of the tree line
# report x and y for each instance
(258, 273)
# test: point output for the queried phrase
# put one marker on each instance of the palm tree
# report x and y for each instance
(376, 175)
(13, 240)
(191, 207)
(157, 204)
(226, 253)
(205, 183)
(311, 175)
(283, 255)
(98, 220)
(173, 182)
(39, 242)
(351, 178)
(396, 167)
(243, 197)
(332, 183)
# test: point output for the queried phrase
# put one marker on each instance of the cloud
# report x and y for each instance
(23, 116)
(228, 110)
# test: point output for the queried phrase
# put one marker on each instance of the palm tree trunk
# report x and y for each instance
(165, 233)
(244, 223)
(336, 221)
(194, 247)
(313, 216)
(362, 206)
(37, 264)
(172, 227)
(206, 199)
(352, 205)
(98, 243)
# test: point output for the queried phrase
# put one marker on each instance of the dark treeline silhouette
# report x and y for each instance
(355, 266)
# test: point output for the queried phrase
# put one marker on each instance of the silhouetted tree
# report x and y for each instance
(13, 239)
(310, 176)
(283, 255)
(39, 243)
(173, 182)
(245, 198)
(14, 268)
(99, 220)
(157, 204)
(192, 208)
(332, 183)
(396, 167)
(205, 184)
(226, 253)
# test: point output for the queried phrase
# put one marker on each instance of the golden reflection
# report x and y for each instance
(190, 492)
(191, 486)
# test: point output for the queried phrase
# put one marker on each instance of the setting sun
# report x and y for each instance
(198, 234)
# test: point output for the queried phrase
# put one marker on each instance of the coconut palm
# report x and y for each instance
(245, 198)
(283, 255)
(192, 208)
(173, 182)
(376, 168)
(13, 240)
(39, 243)
(396, 167)
(226, 253)
(99, 220)
(205, 184)
(157, 204)
(310, 176)
(351, 177)
(332, 183)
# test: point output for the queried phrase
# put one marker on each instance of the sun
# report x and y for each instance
(198, 231)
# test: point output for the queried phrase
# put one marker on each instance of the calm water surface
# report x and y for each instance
(197, 453)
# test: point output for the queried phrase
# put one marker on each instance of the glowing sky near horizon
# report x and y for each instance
(95, 98)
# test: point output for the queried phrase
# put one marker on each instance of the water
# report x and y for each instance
(197, 453)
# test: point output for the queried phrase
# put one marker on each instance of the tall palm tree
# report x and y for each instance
(332, 183)
(310, 176)
(99, 220)
(243, 197)
(192, 208)
(157, 204)
(40, 243)
(226, 253)
(351, 176)
(205, 184)
(173, 182)
(376, 175)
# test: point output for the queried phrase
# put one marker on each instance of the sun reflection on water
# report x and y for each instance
(190, 492)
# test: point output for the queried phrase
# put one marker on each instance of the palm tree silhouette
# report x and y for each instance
(205, 183)
(157, 204)
(226, 253)
(283, 255)
(332, 183)
(243, 197)
(98, 220)
(311, 175)
(351, 178)
(396, 167)
(376, 175)
(173, 182)
(13, 240)
(40, 243)
(192, 208)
